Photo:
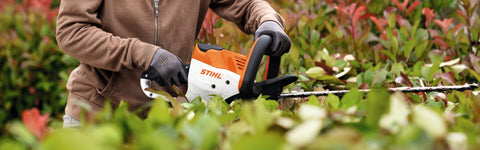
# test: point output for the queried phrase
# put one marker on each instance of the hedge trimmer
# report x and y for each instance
(216, 71)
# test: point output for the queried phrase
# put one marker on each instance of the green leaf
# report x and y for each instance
(389, 54)
(204, 132)
(72, 139)
(360, 79)
(421, 35)
(425, 71)
(435, 68)
(395, 44)
(397, 117)
(430, 121)
(380, 76)
(475, 37)
(271, 105)
(415, 27)
(217, 105)
(330, 79)
(159, 113)
(407, 49)
(368, 77)
(11, 145)
(304, 133)
(309, 112)
(397, 68)
(313, 100)
(340, 64)
(433, 103)
(315, 72)
(256, 116)
(333, 101)
(467, 126)
(21, 133)
(314, 38)
(196, 105)
(108, 135)
(294, 55)
(260, 142)
(352, 98)
(376, 105)
(391, 20)
(475, 74)
(160, 139)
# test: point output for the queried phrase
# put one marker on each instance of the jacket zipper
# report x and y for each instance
(156, 21)
(154, 41)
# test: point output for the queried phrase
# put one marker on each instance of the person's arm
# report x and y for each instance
(248, 15)
(256, 16)
(78, 35)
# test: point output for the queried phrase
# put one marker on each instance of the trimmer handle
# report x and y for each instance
(262, 43)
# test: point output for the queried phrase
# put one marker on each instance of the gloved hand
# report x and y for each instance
(280, 41)
(167, 69)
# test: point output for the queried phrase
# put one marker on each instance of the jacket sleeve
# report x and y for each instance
(246, 14)
(79, 35)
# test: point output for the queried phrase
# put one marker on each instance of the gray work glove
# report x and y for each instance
(167, 69)
(280, 41)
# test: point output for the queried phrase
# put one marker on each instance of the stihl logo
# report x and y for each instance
(211, 73)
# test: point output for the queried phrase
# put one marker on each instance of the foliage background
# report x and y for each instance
(336, 44)
(34, 70)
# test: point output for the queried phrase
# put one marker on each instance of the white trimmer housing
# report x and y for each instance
(206, 81)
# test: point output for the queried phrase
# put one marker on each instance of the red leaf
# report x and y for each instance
(51, 15)
(35, 123)
(358, 13)
(352, 8)
(413, 6)
(377, 23)
(433, 33)
(404, 5)
(207, 22)
(364, 86)
(341, 11)
(458, 26)
(440, 42)
(449, 77)
(399, 6)
(403, 80)
(447, 58)
(3, 3)
(324, 66)
(389, 10)
(399, 19)
(475, 61)
(38, 4)
(445, 24)
(462, 14)
(439, 23)
(32, 90)
(429, 15)
(366, 16)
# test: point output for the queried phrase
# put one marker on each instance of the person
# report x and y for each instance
(116, 41)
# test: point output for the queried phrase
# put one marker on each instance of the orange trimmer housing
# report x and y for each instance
(216, 71)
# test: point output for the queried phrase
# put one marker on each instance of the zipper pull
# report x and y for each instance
(156, 7)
